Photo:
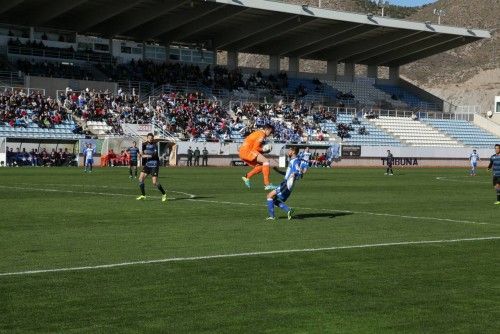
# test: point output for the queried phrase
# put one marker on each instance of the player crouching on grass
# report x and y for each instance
(151, 163)
(279, 196)
(495, 166)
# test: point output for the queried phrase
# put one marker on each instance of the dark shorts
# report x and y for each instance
(282, 193)
(389, 165)
(153, 171)
(496, 180)
(133, 163)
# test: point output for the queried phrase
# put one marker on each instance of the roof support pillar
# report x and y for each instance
(293, 65)
(394, 74)
(274, 63)
(232, 60)
(349, 71)
(167, 52)
(372, 71)
(331, 69)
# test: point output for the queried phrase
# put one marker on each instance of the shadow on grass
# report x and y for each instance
(330, 215)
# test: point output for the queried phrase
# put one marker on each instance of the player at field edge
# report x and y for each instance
(134, 154)
(88, 154)
(495, 167)
(389, 161)
(473, 159)
(278, 196)
(251, 153)
(151, 166)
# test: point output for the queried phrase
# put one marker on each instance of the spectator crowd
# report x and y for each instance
(18, 108)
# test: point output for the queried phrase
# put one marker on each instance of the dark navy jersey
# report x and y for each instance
(151, 150)
(495, 164)
(390, 159)
(134, 153)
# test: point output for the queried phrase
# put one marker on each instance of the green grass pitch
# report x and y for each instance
(372, 280)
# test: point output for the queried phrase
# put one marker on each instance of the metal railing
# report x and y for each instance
(27, 91)
(12, 78)
(59, 54)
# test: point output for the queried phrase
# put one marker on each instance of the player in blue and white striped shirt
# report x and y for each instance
(495, 166)
(305, 159)
(279, 196)
(473, 159)
(88, 158)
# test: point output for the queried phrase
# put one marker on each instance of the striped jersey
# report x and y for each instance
(495, 164)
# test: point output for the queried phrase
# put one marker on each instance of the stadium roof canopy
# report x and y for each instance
(253, 26)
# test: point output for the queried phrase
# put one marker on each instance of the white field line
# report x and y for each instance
(92, 192)
(193, 198)
(248, 254)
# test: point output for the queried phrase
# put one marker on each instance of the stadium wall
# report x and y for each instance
(225, 154)
(52, 85)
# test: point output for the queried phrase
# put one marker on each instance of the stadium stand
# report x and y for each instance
(464, 131)
(372, 136)
(414, 133)
(191, 100)
(33, 115)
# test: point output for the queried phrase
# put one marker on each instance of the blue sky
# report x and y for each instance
(411, 2)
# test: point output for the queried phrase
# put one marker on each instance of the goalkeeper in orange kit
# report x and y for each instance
(251, 153)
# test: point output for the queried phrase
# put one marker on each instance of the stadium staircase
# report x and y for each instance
(464, 131)
(99, 128)
(415, 133)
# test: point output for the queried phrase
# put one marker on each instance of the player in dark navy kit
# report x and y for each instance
(151, 166)
(389, 161)
(134, 154)
(495, 167)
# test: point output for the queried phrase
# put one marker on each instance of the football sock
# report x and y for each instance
(284, 207)
(143, 192)
(160, 188)
(254, 171)
(265, 172)
(130, 171)
(270, 207)
(498, 194)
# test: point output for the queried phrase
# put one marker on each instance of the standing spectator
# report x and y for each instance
(204, 157)
(34, 157)
(190, 156)
(65, 157)
(197, 157)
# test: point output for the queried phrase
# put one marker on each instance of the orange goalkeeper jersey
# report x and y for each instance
(254, 141)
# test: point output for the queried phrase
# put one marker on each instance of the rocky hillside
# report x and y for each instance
(461, 64)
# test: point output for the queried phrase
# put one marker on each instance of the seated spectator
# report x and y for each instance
(362, 130)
